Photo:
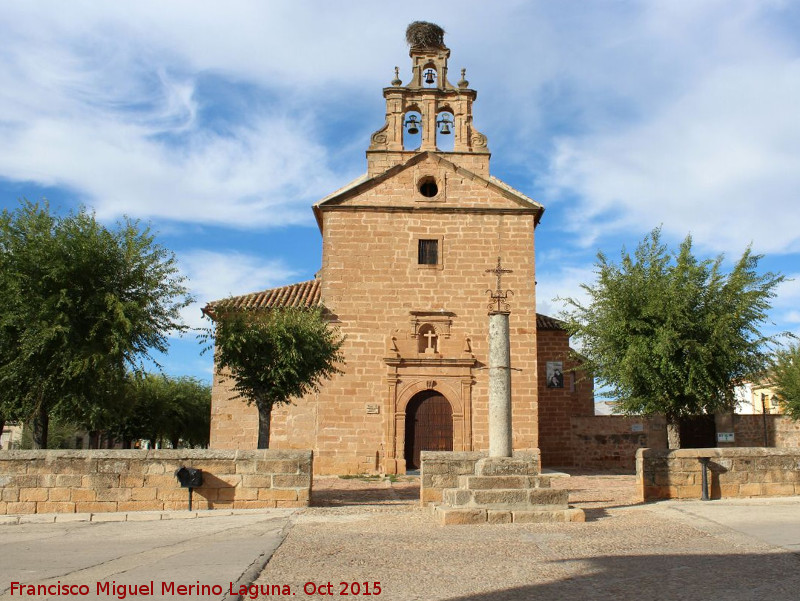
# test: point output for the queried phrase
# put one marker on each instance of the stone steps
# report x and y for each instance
(507, 499)
(507, 482)
(449, 516)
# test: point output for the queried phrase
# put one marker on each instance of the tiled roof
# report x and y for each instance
(544, 322)
(301, 295)
(306, 295)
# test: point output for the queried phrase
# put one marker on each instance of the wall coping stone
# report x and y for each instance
(717, 452)
(165, 454)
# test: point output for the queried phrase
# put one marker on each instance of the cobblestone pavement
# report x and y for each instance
(361, 533)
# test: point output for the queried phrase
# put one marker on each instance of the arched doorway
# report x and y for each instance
(429, 426)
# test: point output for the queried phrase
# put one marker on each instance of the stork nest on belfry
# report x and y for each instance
(427, 35)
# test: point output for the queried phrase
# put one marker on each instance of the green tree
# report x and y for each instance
(669, 334)
(785, 377)
(273, 356)
(160, 408)
(81, 304)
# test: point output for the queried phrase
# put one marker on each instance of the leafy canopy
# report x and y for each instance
(275, 355)
(785, 377)
(162, 408)
(81, 304)
(670, 334)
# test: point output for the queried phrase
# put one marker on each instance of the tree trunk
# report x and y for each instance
(41, 422)
(673, 434)
(264, 418)
(2, 425)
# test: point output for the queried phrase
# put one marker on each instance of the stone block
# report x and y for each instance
(112, 467)
(498, 517)
(114, 494)
(505, 466)
(279, 466)
(98, 481)
(277, 495)
(257, 481)
(143, 494)
(34, 518)
(9, 495)
(753, 489)
(295, 481)
(153, 505)
(455, 497)
(144, 516)
(499, 497)
(95, 507)
(73, 517)
(21, 507)
(254, 504)
(430, 495)
(490, 482)
(25, 481)
(548, 496)
(8, 520)
(58, 494)
(68, 480)
(778, 490)
(33, 494)
(455, 517)
(539, 516)
(109, 517)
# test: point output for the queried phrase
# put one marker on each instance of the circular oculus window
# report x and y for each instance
(428, 187)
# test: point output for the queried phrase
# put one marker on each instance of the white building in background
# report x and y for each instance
(756, 398)
(10, 436)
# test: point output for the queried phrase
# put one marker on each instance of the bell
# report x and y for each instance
(445, 130)
(429, 77)
(411, 124)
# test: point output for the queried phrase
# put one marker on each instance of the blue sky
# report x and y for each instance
(221, 123)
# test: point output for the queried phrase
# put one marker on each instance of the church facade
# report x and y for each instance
(406, 253)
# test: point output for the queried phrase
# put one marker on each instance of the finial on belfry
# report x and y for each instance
(463, 83)
(397, 81)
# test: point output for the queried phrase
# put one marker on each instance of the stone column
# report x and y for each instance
(499, 385)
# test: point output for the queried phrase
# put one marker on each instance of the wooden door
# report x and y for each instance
(429, 426)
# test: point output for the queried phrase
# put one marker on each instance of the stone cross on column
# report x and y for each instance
(499, 368)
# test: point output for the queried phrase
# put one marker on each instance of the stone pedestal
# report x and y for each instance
(502, 490)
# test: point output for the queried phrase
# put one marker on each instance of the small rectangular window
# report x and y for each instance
(428, 252)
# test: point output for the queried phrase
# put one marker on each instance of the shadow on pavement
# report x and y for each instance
(728, 577)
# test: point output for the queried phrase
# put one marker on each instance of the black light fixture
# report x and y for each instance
(189, 477)
(444, 125)
(430, 77)
(412, 124)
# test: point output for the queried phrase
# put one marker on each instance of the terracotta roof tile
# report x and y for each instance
(544, 322)
(300, 295)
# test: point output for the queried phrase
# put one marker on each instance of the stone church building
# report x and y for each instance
(405, 253)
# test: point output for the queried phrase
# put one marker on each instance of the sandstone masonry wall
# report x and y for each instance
(611, 441)
(558, 405)
(117, 480)
(733, 472)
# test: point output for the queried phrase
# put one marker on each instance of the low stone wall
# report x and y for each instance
(610, 441)
(117, 480)
(782, 431)
(441, 469)
(733, 472)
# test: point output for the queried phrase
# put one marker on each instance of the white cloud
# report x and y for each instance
(554, 284)
(216, 275)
